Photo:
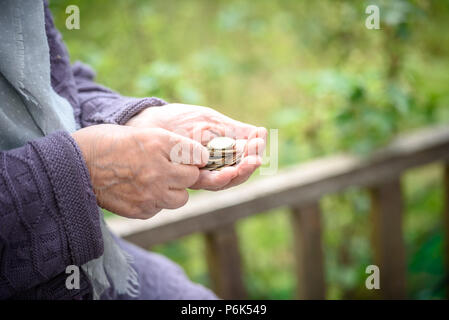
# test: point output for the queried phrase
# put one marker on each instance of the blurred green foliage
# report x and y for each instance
(310, 69)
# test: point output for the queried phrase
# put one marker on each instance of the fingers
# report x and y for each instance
(240, 130)
(186, 155)
(215, 180)
(181, 176)
(237, 129)
(262, 133)
(183, 150)
(255, 147)
(205, 131)
(244, 134)
(175, 147)
(222, 125)
(173, 199)
(248, 165)
(252, 149)
(228, 177)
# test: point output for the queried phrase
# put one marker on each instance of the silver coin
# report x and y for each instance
(221, 143)
(221, 153)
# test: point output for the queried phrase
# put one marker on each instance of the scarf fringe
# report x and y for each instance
(113, 271)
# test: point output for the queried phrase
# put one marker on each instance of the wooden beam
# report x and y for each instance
(300, 184)
(387, 239)
(306, 223)
(223, 258)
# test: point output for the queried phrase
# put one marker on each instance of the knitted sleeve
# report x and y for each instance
(49, 218)
(99, 104)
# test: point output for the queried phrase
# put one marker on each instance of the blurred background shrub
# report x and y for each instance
(310, 69)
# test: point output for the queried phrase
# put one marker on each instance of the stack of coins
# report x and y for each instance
(222, 153)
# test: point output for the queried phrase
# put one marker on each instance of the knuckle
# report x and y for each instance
(142, 181)
(147, 214)
(146, 208)
(176, 200)
(144, 199)
(184, 197)
(156, 144)
(150, 177)
(193, 176)
(135, 212)
(158, 176)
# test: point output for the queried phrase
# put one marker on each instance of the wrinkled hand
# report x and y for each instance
(134, 171)
(202, 124)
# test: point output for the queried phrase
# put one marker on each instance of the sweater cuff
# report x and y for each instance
(74, 195)
(132, 106)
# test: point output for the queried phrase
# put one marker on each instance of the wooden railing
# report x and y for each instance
(300, 188)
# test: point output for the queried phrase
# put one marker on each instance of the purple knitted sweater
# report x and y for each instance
(48, 211)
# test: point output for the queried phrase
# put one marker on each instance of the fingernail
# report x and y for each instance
(204, 156)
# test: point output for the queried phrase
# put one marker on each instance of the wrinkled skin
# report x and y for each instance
(202, 124)
(131, 169)
(145, 166)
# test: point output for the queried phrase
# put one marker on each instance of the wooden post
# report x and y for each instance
(223, 258)
(446, 225)
(306, 223)
(387, 240)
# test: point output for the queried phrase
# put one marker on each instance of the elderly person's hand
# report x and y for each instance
(202, 124)
(135, 172)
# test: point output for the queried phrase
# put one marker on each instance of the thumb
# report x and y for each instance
(187, 151)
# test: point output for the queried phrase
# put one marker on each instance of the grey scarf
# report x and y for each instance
(30, 109)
